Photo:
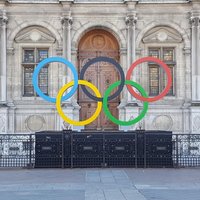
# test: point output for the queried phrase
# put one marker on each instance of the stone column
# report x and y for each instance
(187, 53)
(131, 20)
(66, 24)
(3, 47)
(195, 22)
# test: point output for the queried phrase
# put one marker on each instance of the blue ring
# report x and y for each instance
(42, 64)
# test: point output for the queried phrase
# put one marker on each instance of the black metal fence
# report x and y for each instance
(186, 150)
(18, 150)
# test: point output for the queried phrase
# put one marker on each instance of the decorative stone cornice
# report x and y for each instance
(3, 18)
(131, 19)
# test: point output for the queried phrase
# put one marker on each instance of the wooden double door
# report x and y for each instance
(102, 74)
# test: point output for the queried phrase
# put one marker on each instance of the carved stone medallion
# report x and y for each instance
(35, 36)
(35, 123)
(162, 36)
(163, 122)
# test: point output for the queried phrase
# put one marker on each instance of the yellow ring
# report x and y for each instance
(61, 113)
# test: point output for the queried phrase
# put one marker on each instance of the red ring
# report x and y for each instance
(162, 64)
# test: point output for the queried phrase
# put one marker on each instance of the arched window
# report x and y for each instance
(162, 43)
(35, 43)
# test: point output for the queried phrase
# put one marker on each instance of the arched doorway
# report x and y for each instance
(97, 43)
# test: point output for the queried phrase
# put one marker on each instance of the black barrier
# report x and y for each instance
(87, 150)
(52, 149)
(120, 149)
(104, 149)
(48, 149)
(151, 149)
(140, 146)
(158, 149)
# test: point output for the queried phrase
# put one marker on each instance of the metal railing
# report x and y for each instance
(186, 150)
(18, 150)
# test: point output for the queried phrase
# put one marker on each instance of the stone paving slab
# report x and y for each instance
(100, 184)
(43, 195)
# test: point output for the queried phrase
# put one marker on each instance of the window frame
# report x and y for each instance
(24, 64)
(162, 73)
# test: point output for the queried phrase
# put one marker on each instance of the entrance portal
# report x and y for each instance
(97, 43)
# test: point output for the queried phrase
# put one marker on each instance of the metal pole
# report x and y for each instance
(30, 153)
(63, 149)
(177, 158)
(145, 157)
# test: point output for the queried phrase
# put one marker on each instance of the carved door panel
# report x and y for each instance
(108, 75)
(102, 75)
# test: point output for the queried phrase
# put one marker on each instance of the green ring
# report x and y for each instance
(108, 113)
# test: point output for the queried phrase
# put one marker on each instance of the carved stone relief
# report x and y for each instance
(35, 123)
(196, 123)
(162, 34)
(2, 124)
(35, 34)
(163, 122)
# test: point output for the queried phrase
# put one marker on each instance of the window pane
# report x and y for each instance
(153, 80)
(42, 54)
(168, 54)
(171, 91)
(154, 53)
(29, 56)
(28, 87)
(43, 80)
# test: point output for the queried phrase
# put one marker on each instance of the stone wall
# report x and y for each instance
(59, 25)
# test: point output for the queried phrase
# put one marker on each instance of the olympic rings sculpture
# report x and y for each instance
(102, 101)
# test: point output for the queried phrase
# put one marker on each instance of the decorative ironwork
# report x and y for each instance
(186, 151)
(18, 150)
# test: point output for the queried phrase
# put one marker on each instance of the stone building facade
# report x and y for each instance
(79, 30)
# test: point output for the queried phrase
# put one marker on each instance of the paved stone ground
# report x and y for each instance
(100, 184)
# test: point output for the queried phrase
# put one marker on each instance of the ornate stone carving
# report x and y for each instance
(195, 20)
(98, 41)
(3, 18)
(187, 51)
(196, 123)
(163, 122)
(162, 34)
(66, 125)
(2, 124)
(35, 36)
(131, 19)
(34, 123)
(10, 51)
(66, 21)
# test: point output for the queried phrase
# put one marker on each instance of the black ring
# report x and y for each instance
(104, 59)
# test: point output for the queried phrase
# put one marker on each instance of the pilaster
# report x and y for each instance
(3, 54)
(195, 26)
(131, 20)
(66, 21)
